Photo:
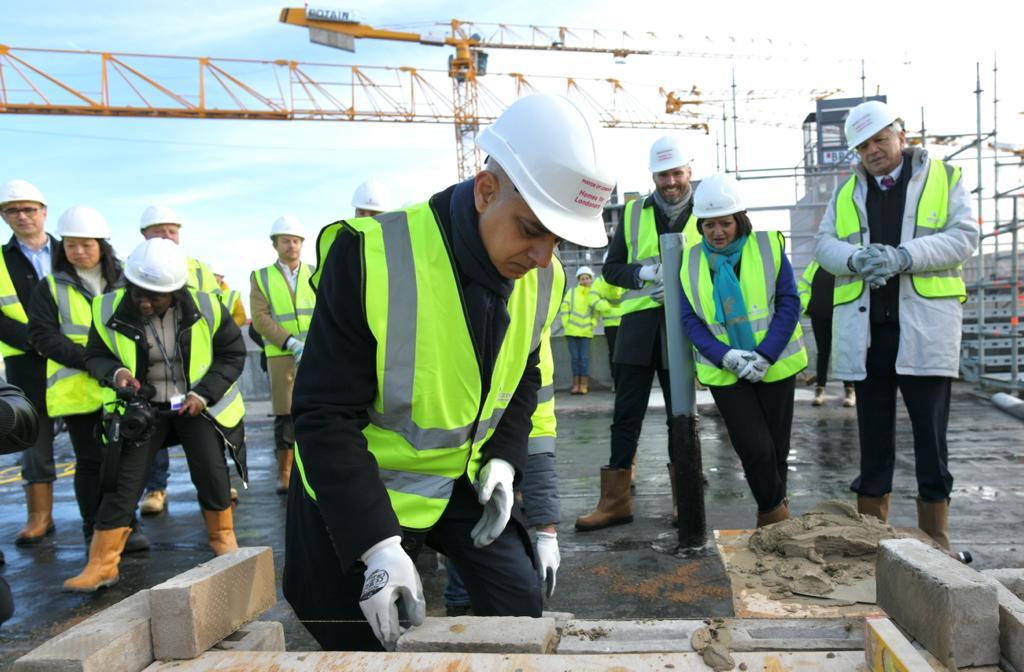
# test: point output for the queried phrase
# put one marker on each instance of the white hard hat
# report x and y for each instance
(157, 265)
(667, 154)
(372, 195)
(584, 270)
(287, 225)
(20, 190)
(549, 149)
(82, 221)
(158, 214)
(865, 120)
(717, 196)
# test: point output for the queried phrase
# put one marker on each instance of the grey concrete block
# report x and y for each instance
(474, 634)
(194, 610)
(1013, 579)
(255, 636)
(116, 639)
(559, 616)
(796, 634)
(1011, 627)
(952, 610)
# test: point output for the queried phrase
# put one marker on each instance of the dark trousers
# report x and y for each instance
(632, 394)
(579, 355)
(284, 432)
(88, 456)
(759, 417)
(204, 451)
(822, 328)
(28, 372)
(927, 399)
(500, 578)
(610, 333)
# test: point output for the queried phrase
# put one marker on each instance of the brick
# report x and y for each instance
(945, 605)
(472, 634)
(194, 610)
(255, 636)
(1013, 579)
(885, 648)
(1011, 627)
(116, 639)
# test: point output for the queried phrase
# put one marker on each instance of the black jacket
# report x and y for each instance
(640, 341)
(44, 324)
(25, 279)
(336, 384)
(19, 422)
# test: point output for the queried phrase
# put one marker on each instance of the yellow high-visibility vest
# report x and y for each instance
(294, 315)
(70, 391)
(643, 247)
(10, 305)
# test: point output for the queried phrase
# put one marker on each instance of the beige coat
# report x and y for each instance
(281, 369)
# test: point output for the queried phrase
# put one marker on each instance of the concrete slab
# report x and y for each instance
(1012, 579)
(223, 661)
(116, 639)
(1011, 627)
(947, 606)
(255, 636)
(194, 610)
(470, 634)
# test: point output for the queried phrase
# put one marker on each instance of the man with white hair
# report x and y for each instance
(413, 402)
(895, 235)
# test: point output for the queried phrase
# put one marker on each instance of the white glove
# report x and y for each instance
(858, 261)
(494, 489)
(736, 360)
(756, 368)
(548, 560)
(658, 293)
(650, 273)
(296, 346)
(392, 598)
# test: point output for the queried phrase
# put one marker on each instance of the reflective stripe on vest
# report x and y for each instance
(542, 435)
(932, 214)
(578, 314)
(427, 421)
(643, 247)
(230, 298)
(70, 391)
(759, 268)
(201, 278)
(804, 284)
(229, 410)
(10, 306)
(294, 315)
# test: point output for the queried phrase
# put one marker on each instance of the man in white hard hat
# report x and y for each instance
(160, 221)
(897, 299)
(371, 198)
(25, 261)
(413, 400)
(282, 304)
(634, 263)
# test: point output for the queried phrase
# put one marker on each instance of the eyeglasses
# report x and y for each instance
(138, 293)
(14, 212)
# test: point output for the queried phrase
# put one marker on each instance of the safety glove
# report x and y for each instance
(392, 597)
(494, 490)
(296, 347)
(735, 360)
(756, 368)
(859, 259)
(548, 559)
(650, 273)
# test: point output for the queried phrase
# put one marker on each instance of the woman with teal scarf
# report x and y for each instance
(741, 311)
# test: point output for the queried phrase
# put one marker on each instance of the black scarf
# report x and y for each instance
(485, 290)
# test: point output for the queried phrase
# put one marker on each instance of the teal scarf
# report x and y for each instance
(730, 309)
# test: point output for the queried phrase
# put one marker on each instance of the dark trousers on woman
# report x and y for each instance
(610, 333)
(759, 417)
(204, 452)
(822, 328)
(88, 456)
(927, 399)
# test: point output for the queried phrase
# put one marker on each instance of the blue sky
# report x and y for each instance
(231, 179)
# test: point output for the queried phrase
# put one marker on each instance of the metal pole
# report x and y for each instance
(718, 157)
(735, 131)
(1015, 311)
(683, 436)
(924, 134)
(725, 140)
(995, 162)
(981, 240)
(863, 82)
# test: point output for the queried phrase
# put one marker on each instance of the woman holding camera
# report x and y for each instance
(181, 345)
(741, 311)
(60, 312)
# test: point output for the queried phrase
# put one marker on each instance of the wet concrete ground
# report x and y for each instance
(621, 572)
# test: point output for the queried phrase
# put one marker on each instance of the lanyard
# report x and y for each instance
(168, 362)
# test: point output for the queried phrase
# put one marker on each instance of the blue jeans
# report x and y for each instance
(455, 593)
(160, 471)
(579, 355)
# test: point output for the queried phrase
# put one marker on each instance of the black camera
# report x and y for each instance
(137, 416)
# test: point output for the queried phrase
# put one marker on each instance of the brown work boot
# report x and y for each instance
(632, 475)
(220, 531)
(850, 400)
(584, 384)
(284, 469)
(776, 515)
(819, 396)
(933, 519)
(39, 497)
(615, 506)
(104, 557)
(575, 385)
(675, 505)
(874, 506)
